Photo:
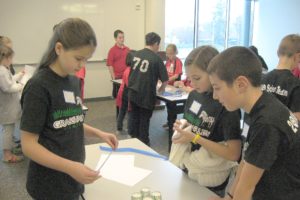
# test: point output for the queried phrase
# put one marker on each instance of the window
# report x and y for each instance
(220, 23)
(179, 25)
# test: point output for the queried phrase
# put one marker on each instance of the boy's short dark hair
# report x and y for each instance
(152, 38)
(117, 32)
(289, 45)
(234, 62)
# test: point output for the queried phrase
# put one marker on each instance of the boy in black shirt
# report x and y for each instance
(281, 81)
(147, 68)
(270, 167)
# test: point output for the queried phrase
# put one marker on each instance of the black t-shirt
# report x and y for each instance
(209, 118)
(273, 144)
(147, 67)
(52, 109)
(285, 86)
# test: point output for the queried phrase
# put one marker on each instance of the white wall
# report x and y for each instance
(275, 19)
(155, 19)
(97, 81)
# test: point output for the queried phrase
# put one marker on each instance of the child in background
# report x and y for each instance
(147, 68)
(173, 64)
(81, 75)
(6, 41)
(263, 63)
(52, 123)
(271, 163)
(122, 98)
(296, 71)
(281, 81)
(174, 69)
(116, 59)
(211, 144)
(10, 108)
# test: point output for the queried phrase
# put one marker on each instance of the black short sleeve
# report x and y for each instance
(163, 74)
(295, 98)
(34, 103)
(230, 125)
(263, 144)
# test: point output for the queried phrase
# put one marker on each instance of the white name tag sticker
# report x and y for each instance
(195, 107)
(245, 130)
(69, 97)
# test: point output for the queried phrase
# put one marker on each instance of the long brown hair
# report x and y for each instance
(201, 56)
(73, 33)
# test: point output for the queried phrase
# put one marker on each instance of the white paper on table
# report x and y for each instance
(29, 71)
(120, 168)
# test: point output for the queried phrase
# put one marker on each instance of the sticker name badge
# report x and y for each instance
(69, 97)
(195, 107)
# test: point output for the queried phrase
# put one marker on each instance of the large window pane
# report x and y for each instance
(212, 23)
(179, 25)
(239, 23)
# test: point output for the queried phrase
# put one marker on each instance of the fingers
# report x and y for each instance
(112, 141)
(90, 175)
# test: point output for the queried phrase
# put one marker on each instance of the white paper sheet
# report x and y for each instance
(120, 168)
(29, 71)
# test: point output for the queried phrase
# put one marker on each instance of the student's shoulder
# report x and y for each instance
(269, 110)
(39, 79)
(178, 60)
(150, 55)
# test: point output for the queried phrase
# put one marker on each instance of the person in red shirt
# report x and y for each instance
(174, 69)
(81, 75)
(296, 71)
(122, 98)
(116, 59)
(173, 64)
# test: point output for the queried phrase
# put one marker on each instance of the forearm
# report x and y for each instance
(297, 114)
(163, 87)
(243, 192)
(187, 89)
(16, 87)
(111, 71)
(236, 179)
(90, 131)
(18, 76)
(39, 154)
(174, 77)
(230, 151)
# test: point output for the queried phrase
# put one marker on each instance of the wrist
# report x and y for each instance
(68, 167)
(196, 138)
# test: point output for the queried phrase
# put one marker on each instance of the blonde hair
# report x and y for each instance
(5, 52)
(289, 45)
(173, 47)
(5, 40)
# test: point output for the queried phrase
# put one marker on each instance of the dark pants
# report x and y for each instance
(115, 91)
(122, 113)
(139, 122)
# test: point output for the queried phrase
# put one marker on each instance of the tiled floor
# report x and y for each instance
(101, 115)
